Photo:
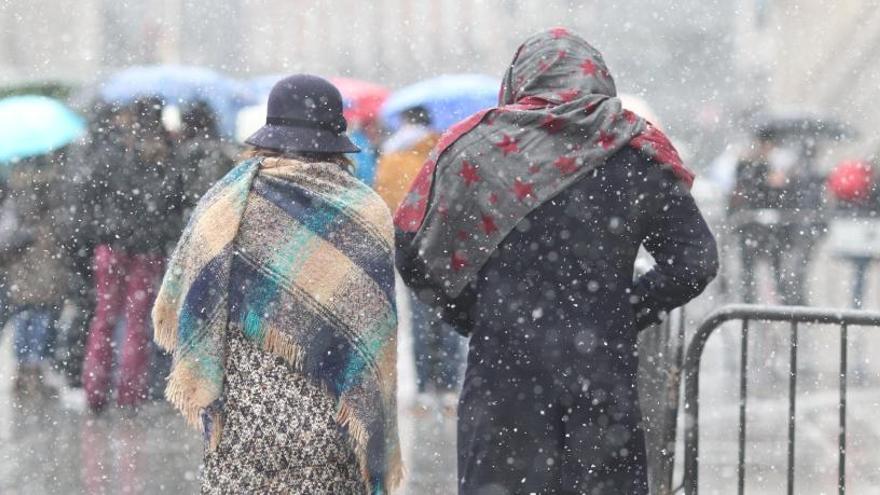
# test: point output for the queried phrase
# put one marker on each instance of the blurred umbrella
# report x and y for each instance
(33, 125)
(803, 125)
(253, 116)
(259, 87)
(248, 120)
(177, 85)
(448, 98)
(59, 89)
(362, 99)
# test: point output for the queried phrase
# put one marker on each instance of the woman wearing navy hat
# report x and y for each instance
(278, 305)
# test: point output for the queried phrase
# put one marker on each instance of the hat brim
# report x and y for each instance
(290, 139)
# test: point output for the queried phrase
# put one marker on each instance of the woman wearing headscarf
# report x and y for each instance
(278, 306)
(523, 227)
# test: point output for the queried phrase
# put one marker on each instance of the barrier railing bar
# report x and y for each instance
(675, 391)
(693, 357)
(743, 383)
(792, 398)
(841, 455)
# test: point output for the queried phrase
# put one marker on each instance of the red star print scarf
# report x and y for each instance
(558, 119)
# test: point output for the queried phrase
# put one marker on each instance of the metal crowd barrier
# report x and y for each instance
(795, 315)
(661, 353)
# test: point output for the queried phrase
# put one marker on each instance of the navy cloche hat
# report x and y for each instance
(304, 115)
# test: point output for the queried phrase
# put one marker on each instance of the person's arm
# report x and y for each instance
(455, 312)
(683, 248)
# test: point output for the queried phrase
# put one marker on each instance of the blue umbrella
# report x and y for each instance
(177, 85)
(448, 98)
(258, 88)
(34, 125)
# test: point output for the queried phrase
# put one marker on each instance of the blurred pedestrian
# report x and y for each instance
(763, 210)
(364, 160)
(436, 345)
(140, 208)
(403, 154)
(202, 158)
(202, 154)
(278, 305)
(9, 237)
(76, 225)
(852, 185)
(34, 270)
(752, 203)
(524, 227)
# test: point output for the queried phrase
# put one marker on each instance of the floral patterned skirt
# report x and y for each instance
(279, 432)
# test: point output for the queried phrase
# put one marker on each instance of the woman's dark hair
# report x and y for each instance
(148, 111)
(199, 120)
(417, 115)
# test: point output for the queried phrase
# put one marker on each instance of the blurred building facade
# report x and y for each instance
(697, 62)
(814, 56)
(676, 55)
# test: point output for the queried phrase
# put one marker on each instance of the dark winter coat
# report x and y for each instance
(139, 194)
(201, 163)
(570, 263)
(752, 190)
(76, 214)
(35, 272)
(550, 387)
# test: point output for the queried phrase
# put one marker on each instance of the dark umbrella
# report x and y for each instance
(804, 126)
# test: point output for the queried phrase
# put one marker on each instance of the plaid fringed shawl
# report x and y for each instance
(299, 257)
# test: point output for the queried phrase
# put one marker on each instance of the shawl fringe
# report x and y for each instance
(165, 335)
(179, 392)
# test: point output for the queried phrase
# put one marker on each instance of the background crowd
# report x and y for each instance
(90, 225)
(87, 223)
(87, 226)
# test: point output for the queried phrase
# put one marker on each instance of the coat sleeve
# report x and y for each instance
(456, 312)
(683, 247)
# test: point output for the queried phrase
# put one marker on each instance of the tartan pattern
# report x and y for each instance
(299, 256)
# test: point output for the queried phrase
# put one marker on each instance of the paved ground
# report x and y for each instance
(52, 447)
(46, 448)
